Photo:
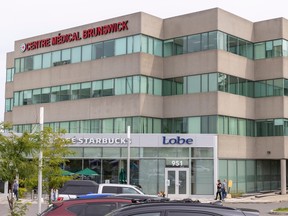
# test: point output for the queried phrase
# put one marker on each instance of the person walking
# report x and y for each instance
(224, 189)
(15, 189)
(219, 190)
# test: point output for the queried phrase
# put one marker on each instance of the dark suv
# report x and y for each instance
(177, 208)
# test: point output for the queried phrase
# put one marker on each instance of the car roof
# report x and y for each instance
(180, 205)
(134, 195)
(91, 200)
(94, 195)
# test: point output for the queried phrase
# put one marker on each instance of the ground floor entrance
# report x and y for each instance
(177, 183)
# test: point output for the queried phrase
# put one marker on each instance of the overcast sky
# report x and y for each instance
(23, 19)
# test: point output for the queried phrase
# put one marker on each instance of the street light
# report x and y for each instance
(41, 121)
(128, 154)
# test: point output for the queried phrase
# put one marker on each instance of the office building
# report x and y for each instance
(204, 96)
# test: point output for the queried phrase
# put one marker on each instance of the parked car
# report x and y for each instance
(85, 207)
(177, 208)
(74, 188)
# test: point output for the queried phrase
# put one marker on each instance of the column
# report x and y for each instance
(6, 189)
(283, 176)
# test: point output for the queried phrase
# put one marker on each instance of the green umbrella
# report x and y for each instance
(87, 172)
(66, 173)
(122, 176)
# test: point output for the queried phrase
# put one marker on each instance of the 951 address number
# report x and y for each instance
(177, 163)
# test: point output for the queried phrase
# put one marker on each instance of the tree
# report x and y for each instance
(14, 152)
(55, 151)
(20, 158)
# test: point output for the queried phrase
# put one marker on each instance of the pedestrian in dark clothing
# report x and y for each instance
(219, 190)
(224, 189)
(15, 189)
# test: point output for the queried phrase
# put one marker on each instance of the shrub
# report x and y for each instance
(22, 192)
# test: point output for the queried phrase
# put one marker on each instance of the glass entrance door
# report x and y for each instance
(177, 183)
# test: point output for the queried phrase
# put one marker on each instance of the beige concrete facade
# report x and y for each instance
(200, 104)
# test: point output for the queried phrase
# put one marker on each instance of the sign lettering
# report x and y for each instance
(75, 36)
(177, 140)
(98, 141)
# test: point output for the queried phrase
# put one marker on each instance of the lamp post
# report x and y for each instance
(128, 155)
(41, 121)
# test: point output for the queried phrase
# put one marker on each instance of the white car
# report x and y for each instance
(74, 188)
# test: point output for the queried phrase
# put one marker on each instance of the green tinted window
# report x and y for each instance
(259, 51)
(37, 62)
(107, 126)
(120, 86)
(66, 55)
(76, 54)
(87, 53)
(46, 60)
(85, 91)
(120, 46)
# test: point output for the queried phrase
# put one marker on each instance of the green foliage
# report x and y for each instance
(281, 210)
(19, 208)
(5, 126)
(55, 149)
(22, 192)
(14, 151)
(20, 157)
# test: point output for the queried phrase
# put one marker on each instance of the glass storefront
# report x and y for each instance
(177, 164)
(251, 175)
(150, 155)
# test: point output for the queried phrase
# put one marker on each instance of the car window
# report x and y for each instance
(79, 189)
(99, 209)
(127, 190)
(92, 209)
(77, 209)
(110, 189)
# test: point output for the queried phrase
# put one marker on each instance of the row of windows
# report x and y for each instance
(214, 124)
(208, 41)
(120, 46)
(148, 85)
(270, 49)
(147, 44)
(222, 82)
(99, 88)
(251, 175)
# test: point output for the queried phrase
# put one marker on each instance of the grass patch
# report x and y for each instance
(281, 210)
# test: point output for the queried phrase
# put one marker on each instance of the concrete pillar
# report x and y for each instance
(283, 176)
(6, 189)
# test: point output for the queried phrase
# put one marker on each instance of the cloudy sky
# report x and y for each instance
(23, 19)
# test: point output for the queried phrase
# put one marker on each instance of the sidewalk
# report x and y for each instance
(3, 199)
(259, 198)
